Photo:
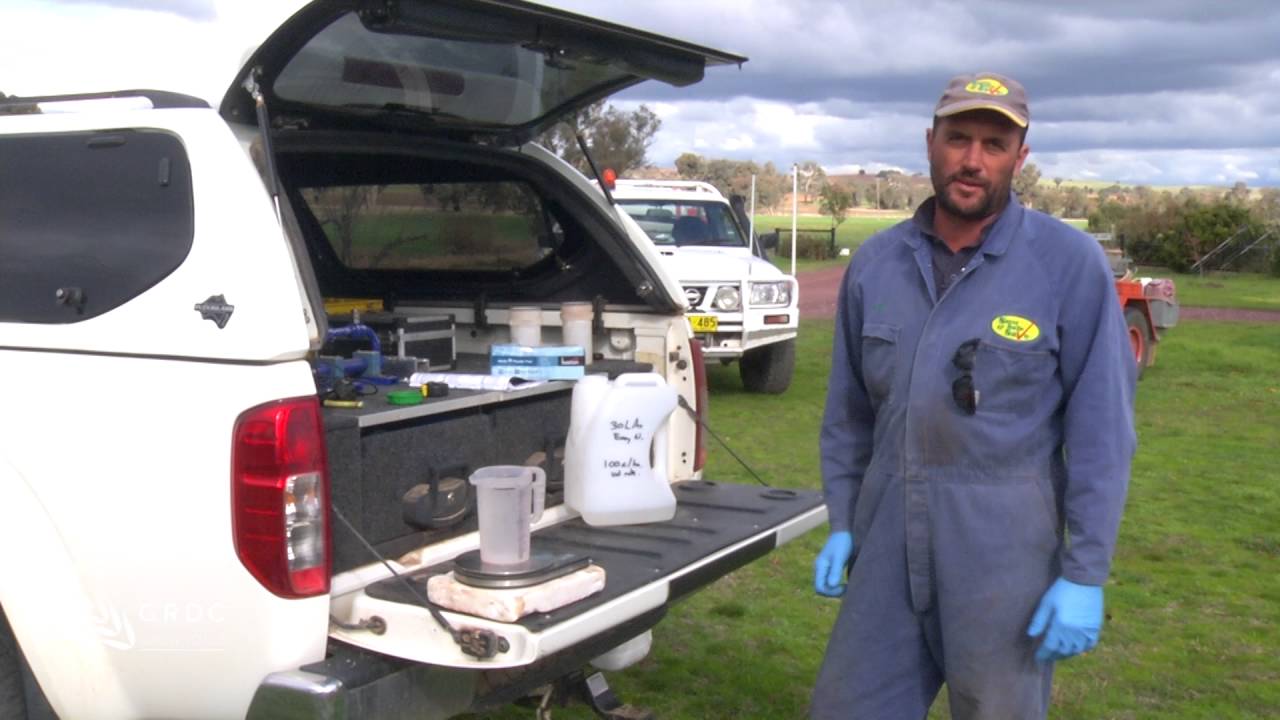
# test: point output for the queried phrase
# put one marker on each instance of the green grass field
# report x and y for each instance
(1249, 291)
(425, 241)
(1193, 602)
(850, 234)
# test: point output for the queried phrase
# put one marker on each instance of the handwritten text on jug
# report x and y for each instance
(622, 468)
(625, 431)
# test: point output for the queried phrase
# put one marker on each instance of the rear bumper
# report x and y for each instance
(355, 684)
(299, 694)
(351, 684)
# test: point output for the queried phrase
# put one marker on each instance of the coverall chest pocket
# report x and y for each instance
(1013, 380)
(879, 360)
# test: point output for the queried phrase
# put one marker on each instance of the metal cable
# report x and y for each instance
(694, 414)
(439, 618)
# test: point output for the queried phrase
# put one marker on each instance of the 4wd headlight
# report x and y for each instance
(770, 293)
(727, 298)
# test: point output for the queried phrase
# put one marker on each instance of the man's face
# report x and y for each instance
(973, 157)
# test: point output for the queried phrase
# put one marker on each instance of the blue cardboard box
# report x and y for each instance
(545, 362)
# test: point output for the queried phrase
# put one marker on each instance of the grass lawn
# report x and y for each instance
(1250, 291)
(438, 240)
(850, 234)
(1194, 599)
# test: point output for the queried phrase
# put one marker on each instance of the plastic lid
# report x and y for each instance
(577, 311)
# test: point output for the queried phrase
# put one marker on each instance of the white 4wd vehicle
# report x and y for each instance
(188, 530)
(741, 306)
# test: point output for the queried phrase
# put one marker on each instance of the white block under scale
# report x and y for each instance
(511, 604)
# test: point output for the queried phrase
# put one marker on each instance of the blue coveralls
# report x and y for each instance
(958, 519)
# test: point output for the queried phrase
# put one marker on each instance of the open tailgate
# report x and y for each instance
(717, 528)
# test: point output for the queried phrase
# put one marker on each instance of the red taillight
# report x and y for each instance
(280, 497)
(702, 397)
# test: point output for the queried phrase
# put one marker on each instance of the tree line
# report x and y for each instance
(18, 109)
(1179, 229)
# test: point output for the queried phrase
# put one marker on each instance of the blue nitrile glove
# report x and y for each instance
(829, 567)
(1073, 615)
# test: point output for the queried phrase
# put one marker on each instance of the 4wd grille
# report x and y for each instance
(695, 294)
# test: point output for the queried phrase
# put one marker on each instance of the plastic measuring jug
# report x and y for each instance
(508, 499)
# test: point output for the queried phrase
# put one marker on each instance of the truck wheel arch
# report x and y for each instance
(43, 648)
(21, 696)
(13, 704)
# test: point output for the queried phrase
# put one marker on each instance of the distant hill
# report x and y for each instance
(896, 192)
(1096, 185)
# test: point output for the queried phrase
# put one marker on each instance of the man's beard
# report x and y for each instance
(996, 196)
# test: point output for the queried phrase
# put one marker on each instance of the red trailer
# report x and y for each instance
(1150, 307)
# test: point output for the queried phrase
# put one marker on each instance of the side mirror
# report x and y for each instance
(769, 241)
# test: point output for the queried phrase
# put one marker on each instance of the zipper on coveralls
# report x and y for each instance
(919, 537)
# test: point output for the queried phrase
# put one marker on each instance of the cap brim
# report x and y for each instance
(961, 107)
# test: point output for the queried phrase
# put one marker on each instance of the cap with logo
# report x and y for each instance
(985, 91)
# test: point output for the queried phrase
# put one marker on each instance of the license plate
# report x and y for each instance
(704, 323)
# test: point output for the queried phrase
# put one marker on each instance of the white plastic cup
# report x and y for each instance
(526, 325)
(575, 318)
(508, 499)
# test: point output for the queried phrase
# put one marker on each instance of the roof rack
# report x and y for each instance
(695, 186)
(159, 100)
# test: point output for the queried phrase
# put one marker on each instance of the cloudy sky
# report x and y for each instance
(1162, 92)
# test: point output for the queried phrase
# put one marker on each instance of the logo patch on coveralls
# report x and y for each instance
(1015, 328)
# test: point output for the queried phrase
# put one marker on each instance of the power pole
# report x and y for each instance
(795, 188)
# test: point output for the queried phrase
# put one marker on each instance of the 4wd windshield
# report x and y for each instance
(456, 81)
(686, 222)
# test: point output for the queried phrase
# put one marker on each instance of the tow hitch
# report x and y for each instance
(593, 691)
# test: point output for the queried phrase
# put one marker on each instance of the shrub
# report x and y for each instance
(810, 247)
(1204, 228)
(1178, 235)
(1108, 216)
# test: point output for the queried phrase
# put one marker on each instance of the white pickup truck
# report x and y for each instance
(742, 307)
(195, 522)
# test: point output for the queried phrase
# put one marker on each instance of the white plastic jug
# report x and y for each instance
(508, 499)
(614, 429)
